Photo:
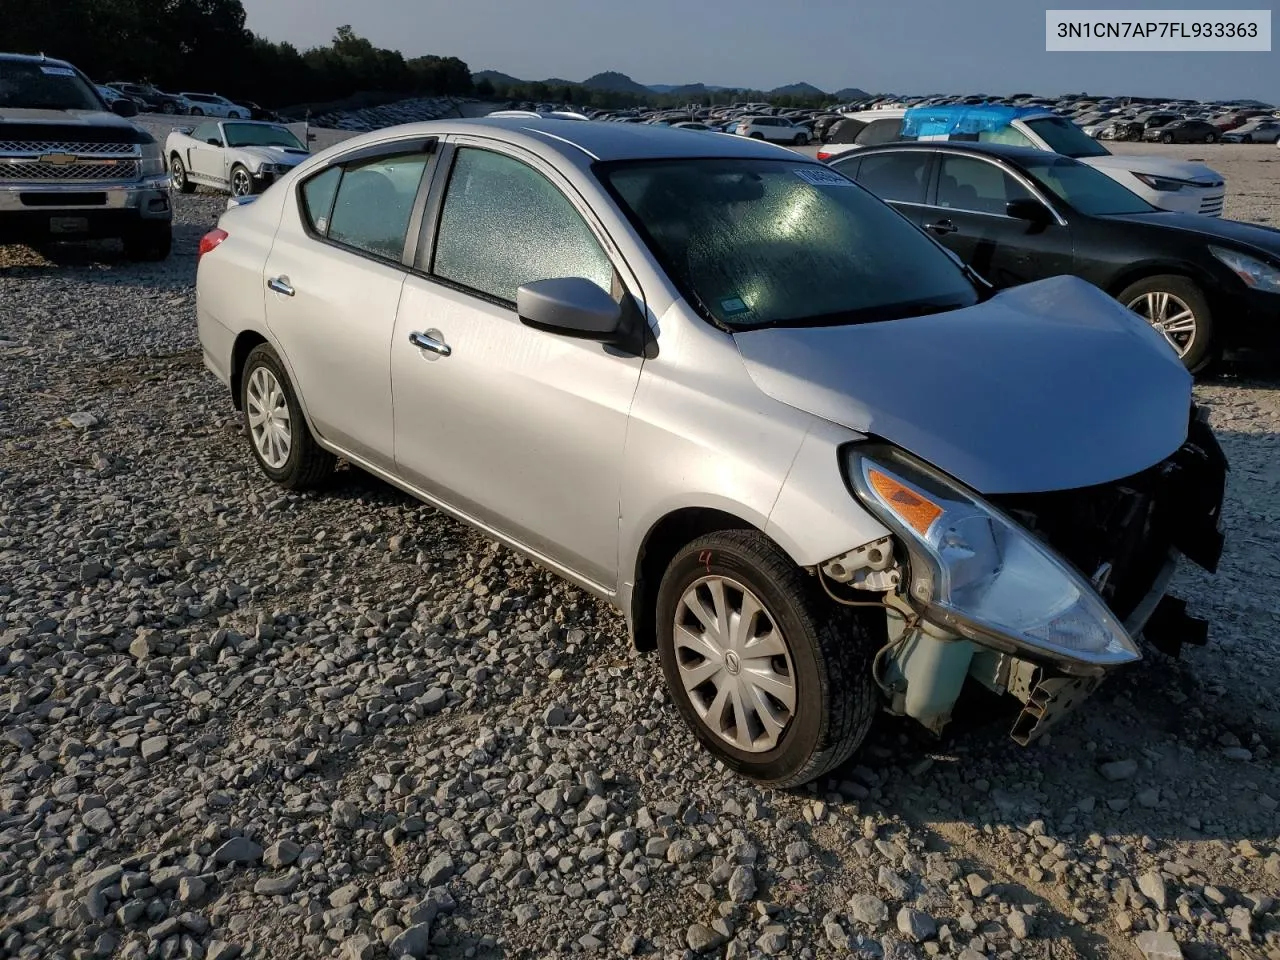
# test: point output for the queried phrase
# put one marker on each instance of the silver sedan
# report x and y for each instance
(821, 467)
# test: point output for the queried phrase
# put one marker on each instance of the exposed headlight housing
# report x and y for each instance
(983, 575)
(1254, 272)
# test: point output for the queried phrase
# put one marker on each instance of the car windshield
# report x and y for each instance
(1085, 189)
(754, 243)
(27, 85)
(260, 135)
(1065, 137)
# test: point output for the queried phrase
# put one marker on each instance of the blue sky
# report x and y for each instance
(907, 46)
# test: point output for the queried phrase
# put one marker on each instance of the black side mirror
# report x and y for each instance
(571, 306)
(124, 108)
(213, 142)
(1025, 208)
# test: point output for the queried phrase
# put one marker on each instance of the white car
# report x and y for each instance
(773, 129)
(1164, 182)
(212, 105)
(243, 157)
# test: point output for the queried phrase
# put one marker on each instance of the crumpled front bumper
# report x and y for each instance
(1127, 538)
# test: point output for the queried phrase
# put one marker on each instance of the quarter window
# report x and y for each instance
(318, 195)
(504, 225)
(976, 185)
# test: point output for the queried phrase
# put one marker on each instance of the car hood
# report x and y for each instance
(289, 155)
(1047, 386)
(1157, 167)
(1236, 232)
(85, 126)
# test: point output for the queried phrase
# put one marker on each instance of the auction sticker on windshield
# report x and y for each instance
(58, 71)
(820, 177)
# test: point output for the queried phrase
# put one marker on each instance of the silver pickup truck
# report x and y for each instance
(73, 169)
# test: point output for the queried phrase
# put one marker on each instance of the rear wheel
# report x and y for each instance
(168, 107)
(770, 675)
(757, 136)
(197, 112)
(800, 140)
(1210, 138)
(178, 172)
(278, 433)
(149, 242)
(1178, 310)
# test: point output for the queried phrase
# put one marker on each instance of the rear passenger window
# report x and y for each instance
(374, 203)
(317, 199)
(896, 176)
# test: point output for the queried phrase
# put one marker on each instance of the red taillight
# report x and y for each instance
(210, 241)
(824, 155)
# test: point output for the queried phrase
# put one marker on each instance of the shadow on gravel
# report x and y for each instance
(52, 258)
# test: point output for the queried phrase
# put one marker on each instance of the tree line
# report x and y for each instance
(205, 45)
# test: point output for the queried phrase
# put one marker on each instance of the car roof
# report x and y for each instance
(34, 58)
(1003, 151)
(580, 142)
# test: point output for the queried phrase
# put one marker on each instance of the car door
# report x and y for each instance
(899, 177)
(518, 429)
(333, 281)
(205, 154)
(968, 214)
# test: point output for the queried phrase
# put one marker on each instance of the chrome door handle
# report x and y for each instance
(431, 340)
(280, 285)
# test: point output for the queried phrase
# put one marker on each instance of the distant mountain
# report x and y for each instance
(496, 78)
(615, 83)
(683, 88)
(851, 93)
(798, 90)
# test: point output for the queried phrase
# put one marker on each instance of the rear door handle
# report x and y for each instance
(942, 226)
(432, 341)
(280, 285)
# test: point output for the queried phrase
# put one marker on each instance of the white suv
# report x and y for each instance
(1162, 181)
(775, 129)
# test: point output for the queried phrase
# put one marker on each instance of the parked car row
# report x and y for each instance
(151, 99)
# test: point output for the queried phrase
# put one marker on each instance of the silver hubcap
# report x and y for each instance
(269, 421)
(734, 664)
(1171, 316)
(179, 173)
(240, 183)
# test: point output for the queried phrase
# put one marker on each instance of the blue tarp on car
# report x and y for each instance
(948, 120)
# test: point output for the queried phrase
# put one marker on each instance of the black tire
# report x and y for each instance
(800, 140)
(308, 464)
(238, 171)
(757, 136)
(149, 242)
(169, 108)
(1200, 350)
(829, 647)
(1210, 138)
(197, 112)
(178, 171)
(1166, 138)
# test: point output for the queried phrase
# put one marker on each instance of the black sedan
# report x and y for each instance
(1015, 214)
(1184, 131)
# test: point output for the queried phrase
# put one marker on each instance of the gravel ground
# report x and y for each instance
(240, 722)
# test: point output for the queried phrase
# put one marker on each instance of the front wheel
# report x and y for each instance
(1166, 138)
(168, 108)
(241, 181)
(757, 136)
(278, 433)
(197, 112)
(1178, 310)
(1211, 138)
(800, 140)
(772, 677)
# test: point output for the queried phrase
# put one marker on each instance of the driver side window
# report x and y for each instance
(503, 224)
(206, 132)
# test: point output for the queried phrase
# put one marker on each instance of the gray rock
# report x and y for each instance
(917, 925)
(238, 850)
(191, 889)
(1159, 946)
(413, 942)
(278, 886)
(98, 820)
(702, 939)
(892, 884)
(222, 950)
(773, 941)
(864, 908)
(281, 854)
(526, 913)
(1019, 924)
(742, 884)
(153, 748)
(624, 841)
(358, 947)
(682, 851)
(1116, 770)
(978, 886)
(1153, 887)
(438, 870)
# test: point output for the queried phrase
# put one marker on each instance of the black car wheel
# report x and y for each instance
(1166, 138)
(1179, 311)
(197, 112)
(168, 107)
(178, 172)
(1210, 138)
(772, 677)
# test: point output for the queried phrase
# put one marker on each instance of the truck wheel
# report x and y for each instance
(150, 242)
(241, 181)
(178, 171)
(772, 677)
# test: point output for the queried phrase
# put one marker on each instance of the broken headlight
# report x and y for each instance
(980, 573)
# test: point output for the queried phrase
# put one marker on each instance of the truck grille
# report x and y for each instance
(38, 148)
(84, 169)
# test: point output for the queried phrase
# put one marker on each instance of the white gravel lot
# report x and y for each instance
(240, 722)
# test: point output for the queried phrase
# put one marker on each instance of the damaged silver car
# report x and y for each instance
(822, 468)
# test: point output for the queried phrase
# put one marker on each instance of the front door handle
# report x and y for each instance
(942, 226)
(280, 285)
(432, 341)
